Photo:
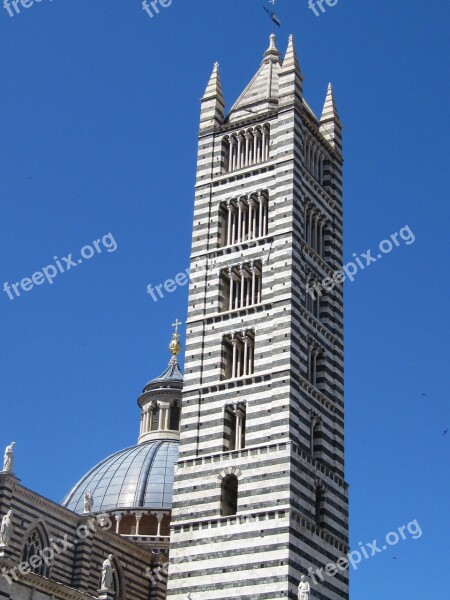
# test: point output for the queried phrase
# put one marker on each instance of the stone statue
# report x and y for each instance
(6, 529)
(107, 573)
(303, 589)
(88, 502)
(8, 460)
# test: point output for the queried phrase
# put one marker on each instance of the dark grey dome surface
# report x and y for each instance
(172, 377)
(137, 477)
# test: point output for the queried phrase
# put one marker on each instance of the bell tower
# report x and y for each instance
(259, 493)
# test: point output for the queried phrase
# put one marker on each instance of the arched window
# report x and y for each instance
(155, 418)
(241, 285)
(234, 427)
(315, 360)
(238, 356)
(316, 438)
(175, 410)
(226, 154)
(245, 148)
(229, 496)
(320, 505)
(35, 542)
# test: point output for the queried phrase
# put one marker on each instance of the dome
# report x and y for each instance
(137, 477)
(172, 377)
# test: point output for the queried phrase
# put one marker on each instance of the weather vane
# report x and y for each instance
(273, 17)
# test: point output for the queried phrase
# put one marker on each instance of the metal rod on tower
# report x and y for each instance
(275, 20)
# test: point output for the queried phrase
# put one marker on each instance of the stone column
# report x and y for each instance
(255, 146)
(239, 150)
(118, 519)
(245, 360)
(229, 223)
(138, 520)
(265, 217)
(242, 290)
(159, 516)
(230, 298)
(239, 234)
(233, 153)
(164, 408)
(263, 144)
(251, 232)
(309, 374)
(234, 342)
(253, 283)
(261, 217)
(248, 139)
(233, 225)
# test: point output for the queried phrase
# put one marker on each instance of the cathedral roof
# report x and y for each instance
(137, 477)
(261, 94)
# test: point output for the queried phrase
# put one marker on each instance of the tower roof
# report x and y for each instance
(214, 87)
(261, 94)
(290, 61)
(172, 376)
(329, 111)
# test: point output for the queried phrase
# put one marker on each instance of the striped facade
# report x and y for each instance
(74, 572)
(265, 358)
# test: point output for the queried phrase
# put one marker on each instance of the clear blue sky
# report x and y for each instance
(99, 115)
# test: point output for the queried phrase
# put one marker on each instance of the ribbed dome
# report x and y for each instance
(172, 377)
(137, 477)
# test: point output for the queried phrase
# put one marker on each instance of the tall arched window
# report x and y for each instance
(175, 410)
(246, 147)
(234, 426)
(118, 586)
(238, 357)
(155, 418)
(35, 542)
(229, 496)
(320, 505)
(316, 438)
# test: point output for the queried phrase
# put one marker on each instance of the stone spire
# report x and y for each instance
(291, 78)
(213, 103)
(330, 124)
(290, 62)
(261, 94)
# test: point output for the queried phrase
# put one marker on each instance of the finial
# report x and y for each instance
(175, 346)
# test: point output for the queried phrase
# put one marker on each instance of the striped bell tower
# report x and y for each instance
(259, 495)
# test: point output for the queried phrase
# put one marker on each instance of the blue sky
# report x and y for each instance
(100, 110)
